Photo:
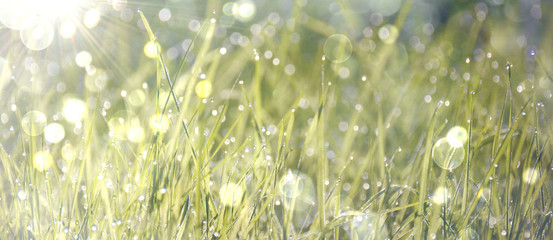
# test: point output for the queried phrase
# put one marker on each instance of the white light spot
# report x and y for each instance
(164, 14)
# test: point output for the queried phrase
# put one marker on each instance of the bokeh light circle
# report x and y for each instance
(54, 133)
(33, 123)
(74, 110)
(136, 97)
(446, 155)
(337, 48)
(298, 193)
(530, 175)
(164, 14)
(42, 161)
(290, 186)
(244, 10)
(83, 59)
(388, 34)
(126, 125)
(91, 18)
(203, 89)
(457, 136)
(231, 194)
(97, 80)
(441, 196)
(67, 29)
(159, 123)
(152, 49)
(369, 226)
(68, 152)
(38, 35)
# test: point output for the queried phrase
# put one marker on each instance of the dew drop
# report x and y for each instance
(22, 195)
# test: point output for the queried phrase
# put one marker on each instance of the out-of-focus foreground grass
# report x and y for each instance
(342, 119)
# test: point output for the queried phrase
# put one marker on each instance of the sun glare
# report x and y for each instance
(36, 20)
(56, 8)
(19, 14)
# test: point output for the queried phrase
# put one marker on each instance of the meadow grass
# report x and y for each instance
(289, 137)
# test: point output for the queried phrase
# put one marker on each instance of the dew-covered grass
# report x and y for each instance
(290, 119)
